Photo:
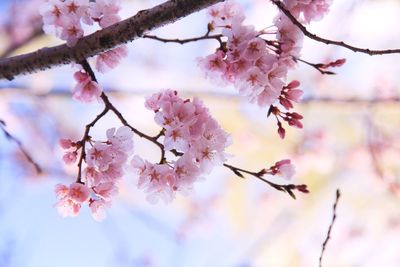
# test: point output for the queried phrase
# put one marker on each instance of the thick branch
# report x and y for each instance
(100, 41)
(317, 38)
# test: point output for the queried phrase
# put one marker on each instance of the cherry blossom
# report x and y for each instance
(110, 59)
(105, 12)
(192, 135)
(257, 67)
(71, 198)
(308, 10)
(282, 168)
(64, 19)
(106, 161)
(86, 90)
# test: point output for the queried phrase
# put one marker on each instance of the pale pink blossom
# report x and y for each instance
(86, 90)
(92, 176)
(106, 161)
(75, 8)
(105, 12)
(70, 157)
(120, 139)
(110, 59)
(285, 169)
(67, 207)
(61, 190)
(70, 198)
(99, 156)
(224, 14)
(66, 143)
(105, 190)
(78, 192)
(98, 208)
(308, 10)
(63, 19)
(189, 130)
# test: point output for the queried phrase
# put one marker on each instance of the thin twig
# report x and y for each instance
(328, 236)
(316, 66)
(9, 136)
(317, 38)
(109, 106)
(288, 188)
(185, 41)
(85, 138)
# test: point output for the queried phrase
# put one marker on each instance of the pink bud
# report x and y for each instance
(66, 143)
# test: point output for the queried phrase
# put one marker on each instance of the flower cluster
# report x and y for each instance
(245, 61)
(192, 135)
(65, 19)
(258, 66)
(105, 166)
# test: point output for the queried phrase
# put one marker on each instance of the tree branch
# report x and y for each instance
(103, 40)
(288, 188)
(185, 41)
(328, 236)
(9, 136)
(317, 38)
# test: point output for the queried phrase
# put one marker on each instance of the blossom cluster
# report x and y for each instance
(65, 19)
(192, 135)
(189, 133)
(255, 65)
(105, 164)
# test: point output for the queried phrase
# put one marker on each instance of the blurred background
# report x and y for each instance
(350, 141)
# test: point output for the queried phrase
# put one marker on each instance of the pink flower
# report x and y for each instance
(289, 93)
(223, 14)
(61, 190)
(97, 207)
(75, 9)
(120, 139)
(99, 156)
(93, 177)
(70, 157)
(51, 12)
(70, 198)
(106, 190)
(105, 12)
(106, 161)
(78, 192)
(67, 207)
(255, 49)
(310, 9)
(86, 90)
(285, 169)
(63, 19)
(193, 133)
(66, 143)
(110, 59)
(213, 64)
